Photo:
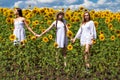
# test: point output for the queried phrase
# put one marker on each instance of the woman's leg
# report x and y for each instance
(87, 55)
(64, 53)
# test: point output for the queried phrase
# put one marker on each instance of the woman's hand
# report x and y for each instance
(37, 35)
(92, 41)
(73, 40)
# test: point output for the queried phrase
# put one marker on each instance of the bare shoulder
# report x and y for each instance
(23, 19)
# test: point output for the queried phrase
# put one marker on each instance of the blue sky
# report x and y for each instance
(113, 5)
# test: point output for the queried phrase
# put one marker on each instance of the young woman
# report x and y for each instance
(86, 34)
(19, 23)
(61, 30)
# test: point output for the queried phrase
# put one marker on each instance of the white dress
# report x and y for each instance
(19, 31)
(86, 33)
(61, 38)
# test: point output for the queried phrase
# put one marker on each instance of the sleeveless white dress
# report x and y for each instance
(61, 38)
(19, 31)
(86, 33)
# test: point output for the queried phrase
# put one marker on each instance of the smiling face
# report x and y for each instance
(60, 16)
(15, 12)
(18, 12)
(86, 17)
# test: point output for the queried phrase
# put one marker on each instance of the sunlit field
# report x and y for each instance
(37, 59)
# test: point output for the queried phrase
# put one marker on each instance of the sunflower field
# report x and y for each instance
(39, 59)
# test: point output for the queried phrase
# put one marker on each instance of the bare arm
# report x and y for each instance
(47, 30)
(67, 28)
(29, 27)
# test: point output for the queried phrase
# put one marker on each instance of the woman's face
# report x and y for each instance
(15, 11)
(87, 17)
(60, 16)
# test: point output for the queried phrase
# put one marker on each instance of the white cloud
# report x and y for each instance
(70, 1)
(17, 4)
(31, 2)
(45, 1)
(100, 4)
(87, 3)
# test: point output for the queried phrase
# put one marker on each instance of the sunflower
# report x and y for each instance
(63, 9)
(50, 14)
(28, 21)
(92, 12)
(45, 39)
(94, 41)
(42, 30)
(101, 33)
(69, 47)
(117, 31)
(69, 34)
(8, 20)
(23, 42)
(11, 28)
(112, 37)
(119, 19)
(72, 19)
(68, 9)
(12, 37)
(81, 8)
(77, 19)
(102, 15)
(50, 37)
(85, 10)
(101, 37)
(29, 36)
(9, 15)
(110, 26)
(33, 37)
(96, 15)
(118, 35)
(68, 15)
(96, 23)
(107, 21)
(36, 22)
(49, 22)
(1, 10)
(55, 45)
(69, 26)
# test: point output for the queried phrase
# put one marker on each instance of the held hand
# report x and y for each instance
(38, 35)
(73, 40)
(92, 41)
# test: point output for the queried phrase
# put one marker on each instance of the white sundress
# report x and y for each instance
(61, 38)
(19, 31)
(86, 33)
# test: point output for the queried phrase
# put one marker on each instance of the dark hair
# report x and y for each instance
(19, 12)
(59, 13)
(84, 20)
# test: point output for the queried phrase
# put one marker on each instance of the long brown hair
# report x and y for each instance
(84, 20)
(59, 13)
(19, 12)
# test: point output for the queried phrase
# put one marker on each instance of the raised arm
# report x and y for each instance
(48, 29)
(28, 27)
